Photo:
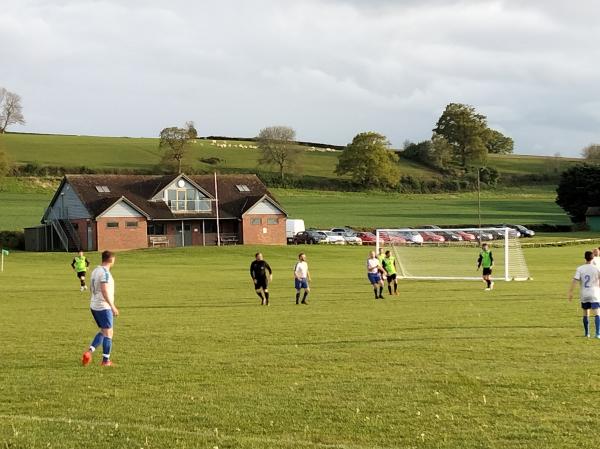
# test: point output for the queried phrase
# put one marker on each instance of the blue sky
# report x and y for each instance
(329, 68)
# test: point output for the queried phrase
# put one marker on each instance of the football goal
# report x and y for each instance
(451, 254)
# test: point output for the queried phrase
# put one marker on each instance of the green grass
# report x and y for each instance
(200, 365)
(143, 153)
(327, 209)
(23, 201)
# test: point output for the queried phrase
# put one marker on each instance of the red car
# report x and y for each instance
(368, 238)
(467, 237)
(391, 238)
(432, 237)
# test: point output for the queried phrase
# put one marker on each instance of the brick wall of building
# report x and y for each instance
(263, 233)
(122, 237)
(81, 226)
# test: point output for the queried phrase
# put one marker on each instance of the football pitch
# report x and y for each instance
(199, 364)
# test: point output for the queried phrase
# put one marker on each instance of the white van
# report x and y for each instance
(293, 227)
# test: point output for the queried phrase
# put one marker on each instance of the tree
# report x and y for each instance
(369, 161)
(466, 132)
(435, 153)
(191, 128)
(498, 143)
(11, 111)
(578, 189)
(278, 147)
(591, 153)
(174, 142)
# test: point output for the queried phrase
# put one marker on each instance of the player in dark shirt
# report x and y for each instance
(258, 272)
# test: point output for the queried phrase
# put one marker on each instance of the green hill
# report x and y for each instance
(106, 153)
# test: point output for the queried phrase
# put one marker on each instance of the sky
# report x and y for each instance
(330, 69)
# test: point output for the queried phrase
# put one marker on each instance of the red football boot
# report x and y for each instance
(86, 358)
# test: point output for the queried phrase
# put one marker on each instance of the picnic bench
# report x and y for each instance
(229, 239)
(158, 240)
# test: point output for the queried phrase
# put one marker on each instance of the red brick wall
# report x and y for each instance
(122, 237)
(253, 234)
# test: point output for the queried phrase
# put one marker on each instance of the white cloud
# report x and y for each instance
(329, 68)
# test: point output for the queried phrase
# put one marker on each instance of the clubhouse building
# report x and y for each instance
(118, 212)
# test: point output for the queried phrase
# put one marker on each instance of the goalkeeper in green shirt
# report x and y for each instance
(80, 265)
(389, 265)
(486, 260)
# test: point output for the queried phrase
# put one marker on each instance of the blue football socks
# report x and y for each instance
(586, 325)
(106, 347)
(597, 324)
(97, 341)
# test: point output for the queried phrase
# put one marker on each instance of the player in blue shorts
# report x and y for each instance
(102, 305)
(374, 273)
(301, 278)
(588, 278)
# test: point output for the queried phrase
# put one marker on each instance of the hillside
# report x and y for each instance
(106, 153)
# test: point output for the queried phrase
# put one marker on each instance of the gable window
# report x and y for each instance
(102, 189)
(112, 224)
(243, 188)
(131, 224)
(255, 221)
(187, 200)
(273, 221)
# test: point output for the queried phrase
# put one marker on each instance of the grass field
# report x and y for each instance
(326, 209)
(200, 365)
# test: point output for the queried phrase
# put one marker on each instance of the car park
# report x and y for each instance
(522, 230)
(467, 236)
(333, 238)
(395, 238)
(429, 236)
(352, 239)
(367, 238)
(449, 236)
(308, 238)
(410, 236)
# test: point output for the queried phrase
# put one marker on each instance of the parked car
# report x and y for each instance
(367, 238)
(392, 237)
(484, 236)
(512, 232)
(410, 236)
(332, 238)
(429, 236)
(450, 236)
(352, 239)
(467, 236)
(522, 230)
(343, 231)
(308, 238)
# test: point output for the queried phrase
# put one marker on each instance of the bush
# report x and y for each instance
(212, 160)
(12, 239)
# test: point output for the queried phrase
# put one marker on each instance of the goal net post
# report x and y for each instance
(452, 254)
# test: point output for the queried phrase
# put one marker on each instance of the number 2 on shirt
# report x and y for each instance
(586, 281)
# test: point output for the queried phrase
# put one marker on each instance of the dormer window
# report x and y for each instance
(187, 200)
(102, 189)
(243, 188)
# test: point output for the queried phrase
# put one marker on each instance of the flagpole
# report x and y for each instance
(217, 210)
(2, 263)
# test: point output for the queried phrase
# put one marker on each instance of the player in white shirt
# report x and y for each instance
(102, 305)
(374, 272)
(596, 261)
(301, 278)
(588, 278)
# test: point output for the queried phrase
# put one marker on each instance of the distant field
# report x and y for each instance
(143, 153)
(199, 364)
(328, 209)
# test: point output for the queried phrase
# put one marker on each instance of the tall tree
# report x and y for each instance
(591, 153)
(466, 131)
(578, 189)
(369, 161)
(11, 110)
(191, 128)
(174, 142)
(498, 143)
(278, 147)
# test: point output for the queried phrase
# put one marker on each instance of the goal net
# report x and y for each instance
(451, 254)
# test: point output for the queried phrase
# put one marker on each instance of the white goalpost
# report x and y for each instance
(451, 254)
